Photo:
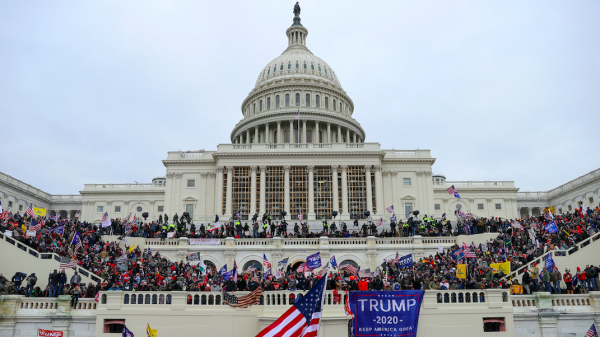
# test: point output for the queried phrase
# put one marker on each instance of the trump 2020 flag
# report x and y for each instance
(127, 332)
(333, 262)
(314, 261)
(551, 227)
(405, 261)
(385, 313)
(393, 218)
(549, 263)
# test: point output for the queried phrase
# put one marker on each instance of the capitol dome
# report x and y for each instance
(297, 83)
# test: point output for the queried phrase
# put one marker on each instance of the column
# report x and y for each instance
(286, 205)
(279, 139)
(369, 188)
(395, 190)
(219, 194)
(344, 191)
(267, 133)
(252, 191)
(530, 209)
(292, 133)
(378, 190)
(311, 193)
(228, 211)
(263, 185)
(354, 137)
(203, 191)
(336, 205)
(316, 132)
(339, 134)
(347, 136)
(303, 135)
(248, 136)
(329, 133)
(255, 135)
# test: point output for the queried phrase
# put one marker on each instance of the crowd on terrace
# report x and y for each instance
(132, 269)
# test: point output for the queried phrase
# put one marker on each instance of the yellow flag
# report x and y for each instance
(131, 249)
(461, 271)
(39, 211)
(551, 209)
(503, 267)
(151, 332)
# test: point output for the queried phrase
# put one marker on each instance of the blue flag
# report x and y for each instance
(444, 216)
(549, 263)
(283, 262)
(226, 276)
(458, 254)
(127, 332)
(223, 270)
(58, 230)
(551, 227)
(313, 261)
(333, 262)
(393, 218)
(401, 310)
(406, 261)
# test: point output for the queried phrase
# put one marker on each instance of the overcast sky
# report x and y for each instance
(99, 91)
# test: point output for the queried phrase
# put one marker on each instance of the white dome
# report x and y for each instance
(299, 62)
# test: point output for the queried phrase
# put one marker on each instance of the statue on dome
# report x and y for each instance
(297, 9)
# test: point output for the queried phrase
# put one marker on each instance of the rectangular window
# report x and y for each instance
(569, 208)
(326, 103)
(357, 191)
(479, 206)
(495, 324)
(242, 190)
(277, 101)
(298, 191)
(408, 208)
(117, 209)
(406, 181)
(297, 99)
(437, 207)
(274, 190)
(100, 208)
(498, 206)
(10, 204)
(590, 200)
(20, 207)
(191, 183)
(287, 100)
(323, 190)
(114, 325)
(190, 209)
(560, 211)
(161, 209)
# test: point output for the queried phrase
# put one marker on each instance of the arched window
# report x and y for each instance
(307, 103)
(350, 262)
(287, 99)
(277, 101)
(286, 136)
(309, 136)
(312, 67)
(268, 72)
(297, 65)
(275, 137)
(257, 265)
(281, 68)
(325, 71)
(254, 108)
(320, 136)
(319, 68)
(326, 103)
(269, 103)
(317, 101)
(333, 105)
(274, 69)
(297, 99)
(260, 106)
(340, 107)
(305, 65)
(289, 65)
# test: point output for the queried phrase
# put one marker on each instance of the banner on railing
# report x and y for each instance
(214, 242)
(49, 333)
(8, 233)
(385, 313)
(31, 233)
(170, 235)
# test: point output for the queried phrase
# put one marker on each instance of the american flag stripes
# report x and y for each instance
(390, 209)
(67, 262)
(76, 241)
(243, 301)
(77, 214)
(592, 332)
(105, 220)
(467, 251)
(324, 270)
(36, 226)
(451, 190)
(350, 268)
(255, 278)
(302, 318)
(302, 268)
(266, 262)
(30, 210)
(250, 269)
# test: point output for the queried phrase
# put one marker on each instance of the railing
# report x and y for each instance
(67, 198)
(24, 187)
(405, 153)
(476, 183)
(394, 241)
(348, 241)
(124, 186)
(439, 240)
(301, 242)
(45, 256)
(274, 146)
(159, 242)
(242, 147)
(466, 296)
(298, 146)
(557, 252)
(321, 146)
(556, 300)
(355, 145)
(253, 242)
(52, 303)
(532, 195)
(560, 189)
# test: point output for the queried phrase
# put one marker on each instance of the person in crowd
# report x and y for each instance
(31, 281)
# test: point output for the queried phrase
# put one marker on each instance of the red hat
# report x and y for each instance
(578, 268)
(534, 264)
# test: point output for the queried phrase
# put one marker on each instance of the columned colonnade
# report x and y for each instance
(310, 132)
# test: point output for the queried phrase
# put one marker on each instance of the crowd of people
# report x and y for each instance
(133, 269)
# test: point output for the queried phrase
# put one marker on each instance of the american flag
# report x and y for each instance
(67, 262)
(30, 210)
(302, 268)
(128, 229)
(350, 268)
(592, 332)
(379, 222)
(76, 241)
(127, 218)
(397, 258)
(266, 262)
(298, 115)
(303, 318)
(300, 216)
(243, 301)
(255, 278)
(36, 226)
(451, 190)
(390, 209)
(324, 270)
(55, 217)
(468, 252)
(250, 269)
(77, 214)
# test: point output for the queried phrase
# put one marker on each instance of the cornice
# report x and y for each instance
(114, 191)
(167, 162)
(297, 84)
(24, 191)
(304, 154)
(480, 189)
(411, 160)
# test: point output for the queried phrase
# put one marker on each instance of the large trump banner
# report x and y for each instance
(385, 313)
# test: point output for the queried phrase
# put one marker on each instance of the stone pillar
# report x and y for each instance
(347, 136)
(329, 133)
(303, 135)
(354, 136)
(311, 193)
(229, 196)
(252, 191)
(279, 139)
(316, 132)
(255, 135)
(378, 190)
(530, 210)
(369, 188)
(292, 133)
(395, 190)
(339, 134)
(219, 194)
(345, 191)
(203, 191)
(336, 205)
(248, 136)
(267, 134)
(262, 189)
(286, 205)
